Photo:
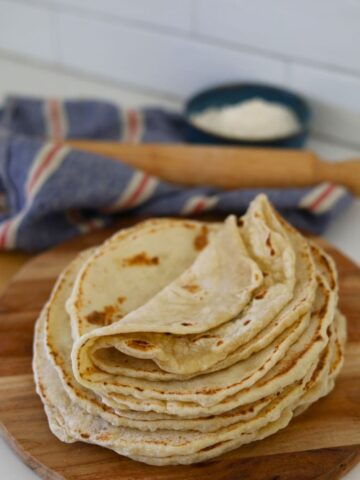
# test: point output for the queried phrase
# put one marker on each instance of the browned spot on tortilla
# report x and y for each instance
(208, 391)
(139, 344)
(103, 317)
(321, 311)
(220, 342)
(161, 442)
(92, 369)
(201, 240)
(240, 222)
(41, 389)
(203, 337)
(261, 294)
(121, 300)
(192, 288)
(186, 324)
(188, 225)
(141, 258)
(324, 263)
(247, 322)
(269, 244)
(266, 274)
(103, 436)
(318, 369)
(84, 435)
(78, 303)
(338, 355)
(211, 447)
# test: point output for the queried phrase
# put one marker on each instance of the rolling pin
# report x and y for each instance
(229, 167)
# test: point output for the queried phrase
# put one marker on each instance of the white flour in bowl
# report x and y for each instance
(254, 119)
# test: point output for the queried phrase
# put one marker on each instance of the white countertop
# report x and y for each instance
(21, 78)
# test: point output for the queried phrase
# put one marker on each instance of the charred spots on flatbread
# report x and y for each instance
(103, 317)
(191, 287)
(140, 259)
(201, 240)
(270, 246)
(139, 344)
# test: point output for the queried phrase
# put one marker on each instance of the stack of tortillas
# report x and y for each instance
(176, 340)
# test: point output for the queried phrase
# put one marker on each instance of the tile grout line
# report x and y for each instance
(191, 35)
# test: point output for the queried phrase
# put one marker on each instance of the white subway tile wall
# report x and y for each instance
(169, 64)
(174, 48)
(322, 31)
(28, 30)
(162, 13)
(335, 100)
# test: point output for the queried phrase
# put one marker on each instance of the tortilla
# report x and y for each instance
(165, 446)
(176, 340)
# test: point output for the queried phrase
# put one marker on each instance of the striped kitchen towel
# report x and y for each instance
(49, 192)
(59, 120)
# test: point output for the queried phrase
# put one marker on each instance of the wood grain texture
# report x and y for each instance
(323, 443)
(10, 263)
(229, 167)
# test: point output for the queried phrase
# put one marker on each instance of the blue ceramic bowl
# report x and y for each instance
(232, 94)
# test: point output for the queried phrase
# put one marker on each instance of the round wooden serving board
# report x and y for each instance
(323, 443)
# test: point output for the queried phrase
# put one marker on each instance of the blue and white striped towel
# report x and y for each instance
(49, 192)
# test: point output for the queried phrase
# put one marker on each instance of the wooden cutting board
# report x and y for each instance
(323, 443)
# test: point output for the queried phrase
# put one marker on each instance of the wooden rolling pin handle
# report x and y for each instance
(345, 173)
(228, 167)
